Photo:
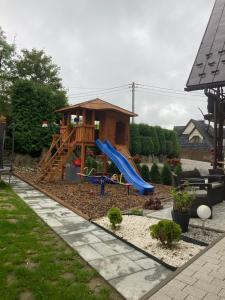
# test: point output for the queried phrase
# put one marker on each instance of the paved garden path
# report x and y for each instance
(203, 279)
(216, 223)
(129, 271)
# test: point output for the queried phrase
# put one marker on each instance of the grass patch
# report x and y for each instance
(36, 264)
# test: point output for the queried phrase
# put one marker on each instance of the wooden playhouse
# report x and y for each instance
(81, 125)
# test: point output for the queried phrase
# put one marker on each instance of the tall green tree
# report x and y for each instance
(147, 146)
(35, 65)
(32, 103)
(162, 140)
(7, 53)
(135, 139)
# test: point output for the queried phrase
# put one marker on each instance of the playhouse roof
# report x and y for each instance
(95, 104)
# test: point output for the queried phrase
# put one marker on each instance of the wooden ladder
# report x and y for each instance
(52, 165)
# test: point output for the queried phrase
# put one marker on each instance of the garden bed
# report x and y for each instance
(135, 230)
(86, 198)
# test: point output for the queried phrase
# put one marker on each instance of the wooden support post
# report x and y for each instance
(220, 133)
(215, 134)
(84, 117)
(83, 157)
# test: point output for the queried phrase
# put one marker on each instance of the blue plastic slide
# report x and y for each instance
(125, 168)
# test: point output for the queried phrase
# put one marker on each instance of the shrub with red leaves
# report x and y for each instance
(153, 203)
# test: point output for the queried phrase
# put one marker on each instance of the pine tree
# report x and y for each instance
(145, 174)
(155, 174)
(135, 139)
(166, 176)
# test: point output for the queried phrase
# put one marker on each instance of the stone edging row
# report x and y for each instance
(54, 197)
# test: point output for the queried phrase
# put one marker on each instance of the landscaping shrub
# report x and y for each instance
(166, 176)
(178, 170)
(145, 174)
(154, 174)
(153, 203)
(135, 139)
(136, 212)
(166, 231)
(147, 146)
(182, 200)
(112, 169)
(115, 216)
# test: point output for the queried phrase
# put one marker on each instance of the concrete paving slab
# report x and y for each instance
(71, 220)
(88, 253)
(115, 266)
(119, 246)
(138, 284)
(106, 237)
(81, 239)
(104, 249)
(135, 255)
(77, 228)
(147, 263)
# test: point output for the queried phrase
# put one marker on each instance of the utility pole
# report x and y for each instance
(133, 99)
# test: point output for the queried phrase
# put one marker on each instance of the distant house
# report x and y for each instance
(196, 140)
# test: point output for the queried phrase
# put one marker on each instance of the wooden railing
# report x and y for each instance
(85, 134)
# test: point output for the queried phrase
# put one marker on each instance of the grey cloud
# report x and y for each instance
(103, 43)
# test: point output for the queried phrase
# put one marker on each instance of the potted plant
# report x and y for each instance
(182, 201)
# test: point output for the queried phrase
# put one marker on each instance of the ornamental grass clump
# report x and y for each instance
(182, 200)
(115, 216)
(167, 232)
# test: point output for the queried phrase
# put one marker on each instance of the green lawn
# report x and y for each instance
(36, 264)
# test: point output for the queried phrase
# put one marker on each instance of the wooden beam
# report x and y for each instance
(83, 157)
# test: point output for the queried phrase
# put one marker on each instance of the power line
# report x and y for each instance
(97, 94)
(167, 89)
(99, 90)
(166, 94)
(170, 92)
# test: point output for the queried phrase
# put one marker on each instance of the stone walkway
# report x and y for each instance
(203, 279)
(129, 271)
(216, 223)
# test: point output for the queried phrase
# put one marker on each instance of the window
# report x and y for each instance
(195, 140)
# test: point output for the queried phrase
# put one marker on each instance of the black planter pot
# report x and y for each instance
(182, 219)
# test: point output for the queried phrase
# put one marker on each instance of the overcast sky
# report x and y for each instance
(107, 43)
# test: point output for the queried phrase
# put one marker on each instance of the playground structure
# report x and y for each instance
(81, 126)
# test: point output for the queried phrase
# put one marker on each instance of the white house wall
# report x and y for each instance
(189, 128)
(195, 133)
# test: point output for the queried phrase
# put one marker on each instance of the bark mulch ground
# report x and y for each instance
(86, 196)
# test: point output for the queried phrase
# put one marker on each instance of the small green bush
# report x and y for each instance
(137, 212)
(166, 176)
(145, 174)
(166, 231)
(182, 199)
(112, 169)
(154, 174)
(115, 216)
(178, 170)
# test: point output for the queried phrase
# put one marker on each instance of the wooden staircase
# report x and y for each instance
(53, 163)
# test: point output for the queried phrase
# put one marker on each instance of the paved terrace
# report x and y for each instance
(203, 279)
(129, 271)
